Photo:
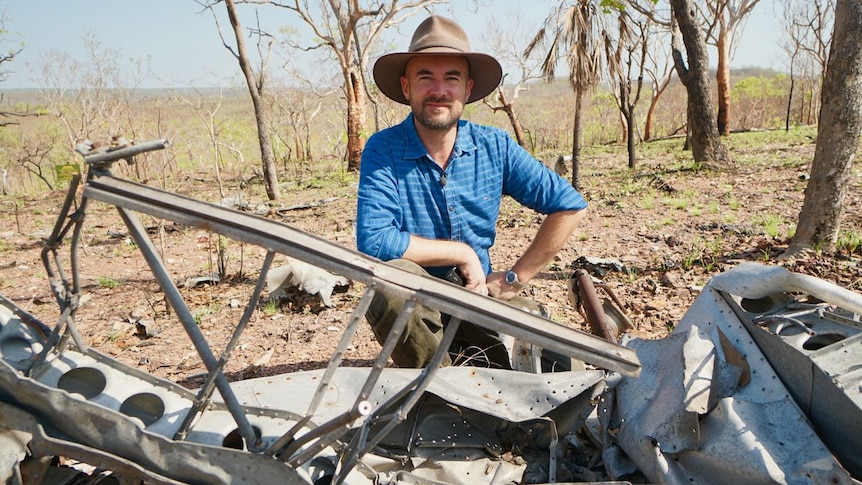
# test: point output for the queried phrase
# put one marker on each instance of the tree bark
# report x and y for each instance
(838, 132)
(658, 89)
(722, 79)
(576, 140)
(509, 109)
(255, 88)
(790, 96)
(355, 117)
(706, 145)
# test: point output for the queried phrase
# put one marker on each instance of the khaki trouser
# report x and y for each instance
(473, 345)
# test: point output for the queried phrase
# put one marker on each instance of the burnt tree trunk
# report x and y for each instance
(355, 92)
(255, 89)
(722, 79)
(838, 132)
(706, 145)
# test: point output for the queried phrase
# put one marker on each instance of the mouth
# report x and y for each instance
(437, 104)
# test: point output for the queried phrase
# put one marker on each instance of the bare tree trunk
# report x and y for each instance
(509, 109)
(355, 119)
(706, 145)
(255, 88)
(632, 133)
(789, 98)
(722, 78)
(576, 140)
(838, 132)
(656, 94)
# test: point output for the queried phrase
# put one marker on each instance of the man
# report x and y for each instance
(430, 190)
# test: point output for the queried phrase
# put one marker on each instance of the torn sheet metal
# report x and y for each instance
(488, 425)
(813, 346)
(473, 425)
(513, 396)
(709, 404)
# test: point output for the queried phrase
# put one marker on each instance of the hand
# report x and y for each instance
(474, 276)
(498, 288)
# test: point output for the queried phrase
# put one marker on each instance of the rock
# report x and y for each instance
(670, 279)
(657, 305)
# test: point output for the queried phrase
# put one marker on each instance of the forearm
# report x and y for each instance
(438, 252)
(550, 239)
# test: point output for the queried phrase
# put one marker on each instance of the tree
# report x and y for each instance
(838, 131)
(91, 98)
(508, 51)
(627, 56)
(808, 25)
(350, 32)
(577, 29)
(206, 108)
(693, 71)
(7, 55)
(727, 18)
(256, 85)
(660, 70)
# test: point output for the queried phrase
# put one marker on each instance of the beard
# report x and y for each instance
(441, 121)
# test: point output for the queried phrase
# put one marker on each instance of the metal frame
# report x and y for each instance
(277, 238)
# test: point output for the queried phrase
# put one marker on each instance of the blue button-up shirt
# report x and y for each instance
(402, 191)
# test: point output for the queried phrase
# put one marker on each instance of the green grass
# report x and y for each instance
(770, 223)
(106, 282)
(647, 202)
(677, 203)
(270, 308)
(200, 313)
(849, 242)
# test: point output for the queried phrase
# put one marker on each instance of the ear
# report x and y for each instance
(469, 88)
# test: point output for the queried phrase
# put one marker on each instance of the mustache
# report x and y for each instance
(437, 99)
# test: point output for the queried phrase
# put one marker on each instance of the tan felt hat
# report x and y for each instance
(438, 36)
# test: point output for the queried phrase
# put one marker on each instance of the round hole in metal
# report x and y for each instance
(822, 340)
(757, 305)
(234, 439)
(85, 381)
(16, 349)
(788, 329)
(145, 406)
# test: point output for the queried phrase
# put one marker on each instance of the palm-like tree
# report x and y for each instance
(577, 34)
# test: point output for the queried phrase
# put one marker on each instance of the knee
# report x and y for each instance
(406, 265)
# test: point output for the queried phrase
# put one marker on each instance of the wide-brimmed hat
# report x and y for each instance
(438, 36)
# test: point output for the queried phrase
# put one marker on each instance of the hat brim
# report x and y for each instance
(485, 71)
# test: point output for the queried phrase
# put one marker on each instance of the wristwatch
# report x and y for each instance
(512, 279)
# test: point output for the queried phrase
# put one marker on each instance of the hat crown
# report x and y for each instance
(437, 36)
(437, 32)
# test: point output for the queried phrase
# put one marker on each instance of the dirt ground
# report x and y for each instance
(670, 230)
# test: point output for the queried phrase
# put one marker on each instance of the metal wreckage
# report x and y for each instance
(760, 382)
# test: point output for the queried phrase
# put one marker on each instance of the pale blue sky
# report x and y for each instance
(183, 47)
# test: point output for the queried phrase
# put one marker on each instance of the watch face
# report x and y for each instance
(511, 277)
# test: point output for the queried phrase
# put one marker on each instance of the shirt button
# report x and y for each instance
(451, 208)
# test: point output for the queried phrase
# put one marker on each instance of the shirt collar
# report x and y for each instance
(414, 148)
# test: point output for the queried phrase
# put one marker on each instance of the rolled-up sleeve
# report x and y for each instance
(536, 186)
(379, 212)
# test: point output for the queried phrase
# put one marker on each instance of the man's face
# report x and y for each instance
(437, 88)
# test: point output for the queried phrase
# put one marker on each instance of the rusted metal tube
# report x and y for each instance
(595, 314)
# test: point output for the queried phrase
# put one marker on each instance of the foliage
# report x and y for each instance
(106, 282)
(545, 112)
